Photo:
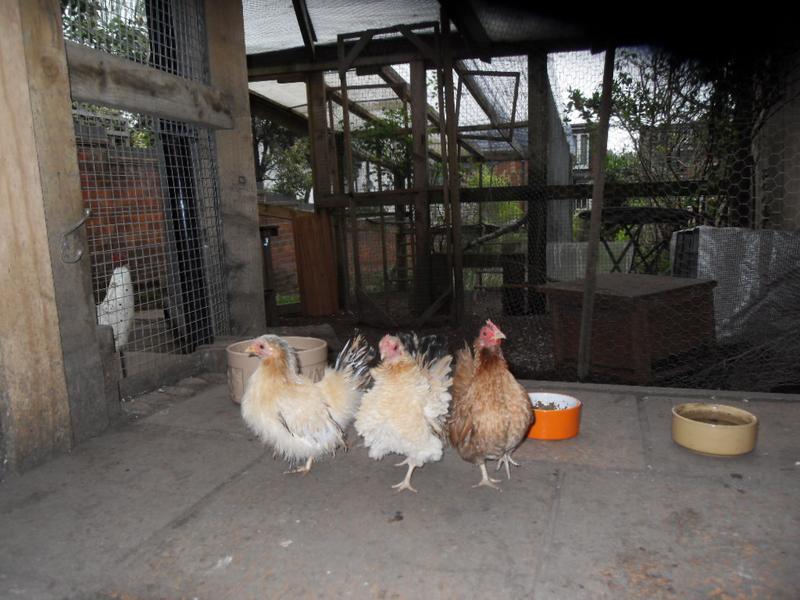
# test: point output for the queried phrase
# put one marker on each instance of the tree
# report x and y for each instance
(293, 170)
(386, 141)
(690, 119)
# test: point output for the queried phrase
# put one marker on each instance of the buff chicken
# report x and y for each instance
(491, 411)
(405, 410)
(302, 420)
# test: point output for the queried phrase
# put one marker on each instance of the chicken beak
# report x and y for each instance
(499, 335)
(252, 349)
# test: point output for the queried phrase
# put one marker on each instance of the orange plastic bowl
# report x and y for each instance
(559, 423)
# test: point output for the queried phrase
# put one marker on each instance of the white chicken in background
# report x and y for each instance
(405, 410)
(117, 307)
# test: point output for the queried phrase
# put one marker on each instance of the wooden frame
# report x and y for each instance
(98, 77)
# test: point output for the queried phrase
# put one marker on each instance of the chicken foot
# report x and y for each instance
(505, 460)
(301, 470)
(406, 483)
(486, 480)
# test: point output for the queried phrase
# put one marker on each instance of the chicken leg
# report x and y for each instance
(486, 480)
(301, 470)
(406, 483)
(504, 460)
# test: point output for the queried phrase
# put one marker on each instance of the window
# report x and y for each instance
(581, 150)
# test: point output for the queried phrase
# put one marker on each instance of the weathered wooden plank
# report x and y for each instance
(101, 78)
(485, 103)
(454, 182)
(316, 264)
(318, 134)
(517, 193)
(277, 113)
(391, 51)
(422, 261)
(538, 134)
(34, 405)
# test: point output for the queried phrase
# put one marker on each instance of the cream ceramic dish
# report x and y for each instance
(312, 358)
(714, 429)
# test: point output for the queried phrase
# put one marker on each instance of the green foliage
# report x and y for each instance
(386, 141)
(293, 170)
(101, 25)
(621, 167)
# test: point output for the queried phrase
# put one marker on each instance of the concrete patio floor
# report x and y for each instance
(181, 502)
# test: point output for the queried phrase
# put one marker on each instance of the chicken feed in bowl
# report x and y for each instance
(557, 416)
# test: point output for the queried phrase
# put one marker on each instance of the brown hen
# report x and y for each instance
(491, 411)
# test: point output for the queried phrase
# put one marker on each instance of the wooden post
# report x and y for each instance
(538, 134)
(238, 203)
(598, 170)
(318, 134)
(51, 364)
(348, 170)
(452, 167)
(422, 221)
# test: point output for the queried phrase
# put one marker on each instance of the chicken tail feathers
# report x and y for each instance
(426, 350)
(356, 357)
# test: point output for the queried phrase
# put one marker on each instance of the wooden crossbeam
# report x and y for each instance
(305, 24)
(516, 193)
(98, 77)
(485, 103)
(463, 14)
(396, 81)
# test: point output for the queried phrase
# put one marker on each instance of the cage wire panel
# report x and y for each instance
(155, 234)
(698, 271)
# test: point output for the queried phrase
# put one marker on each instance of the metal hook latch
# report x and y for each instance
(87, 212)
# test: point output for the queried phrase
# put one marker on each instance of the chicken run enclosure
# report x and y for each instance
(449, 163)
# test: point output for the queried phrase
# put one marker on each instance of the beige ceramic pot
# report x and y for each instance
(312, 358)
(714, 429)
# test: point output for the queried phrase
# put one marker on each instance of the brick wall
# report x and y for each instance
(283, 258)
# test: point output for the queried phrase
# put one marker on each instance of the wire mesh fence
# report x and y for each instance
(698, 262)
(154, 233)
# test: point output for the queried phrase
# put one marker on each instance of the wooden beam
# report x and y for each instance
(34, 401)
(592, 247)
(318, 134)
(396, 81)
(419, 135)
(489, 126)
(486, 104)
(454, 181)
(98, 77)
(305, 25)
(277, 113)
(538, 135)
(392, 51)
(517, 193)
(463, 14)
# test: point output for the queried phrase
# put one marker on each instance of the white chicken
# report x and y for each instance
(117, 307)
(405, 410)
(300, 419)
